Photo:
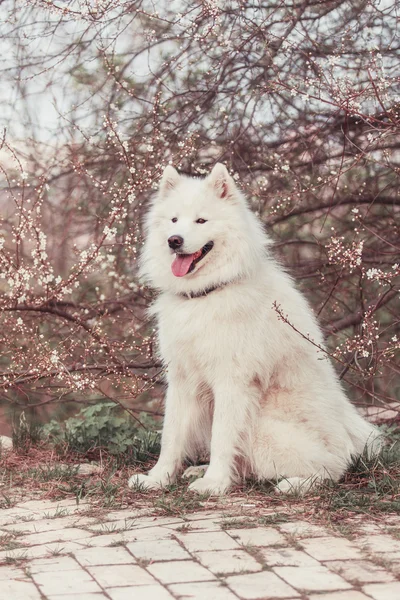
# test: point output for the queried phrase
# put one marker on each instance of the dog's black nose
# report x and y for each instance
(175, 242)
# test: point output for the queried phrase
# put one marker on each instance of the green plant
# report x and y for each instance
(8, 542)
(14, 560)
(185, 528)
(105, 426)
(273, 519)
(25, 432)
(175, 500)
(59, 512)
(53, 472)
(57, 551)
(238, 523)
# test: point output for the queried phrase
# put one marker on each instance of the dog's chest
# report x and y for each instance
(199, 331)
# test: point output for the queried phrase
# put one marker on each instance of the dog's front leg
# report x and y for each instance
(232, 415)
(181, 408)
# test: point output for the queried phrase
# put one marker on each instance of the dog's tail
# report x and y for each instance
(367, 439)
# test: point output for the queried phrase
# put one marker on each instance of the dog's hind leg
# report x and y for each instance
(297, 485)
(195, 471)
(297, 458)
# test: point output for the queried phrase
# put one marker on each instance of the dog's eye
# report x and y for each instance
(174, 220)
(201, 221)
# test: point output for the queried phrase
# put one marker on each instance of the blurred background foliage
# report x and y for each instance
(299, 99)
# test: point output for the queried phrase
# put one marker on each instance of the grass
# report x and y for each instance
(185, 528)
(238, 523)
(177, 501)
(57, 551)
(370, 488)
(117, 543)
(143, 562)
(370, 485)
(48, 472)
(16, 560)
(255, 552)
(8, 541)
(59, 512)
(345, 530)
(273, 519)
(129, 524)
(5, 501)
(25, 432)
(380, 561)
(293, 541)
(39, 472)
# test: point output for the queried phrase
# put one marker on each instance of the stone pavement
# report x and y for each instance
(61, 551)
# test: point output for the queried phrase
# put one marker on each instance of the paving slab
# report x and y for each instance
(67, 534)
(196, 525)
(19, 590)
(330, 548)
(312, 579)
(258, 585)
(75, 581)
(380, 544)
(158, 550)
(64, 551)
(347, 595)
(180, 572)
(202, 590)
(383, 591)
(91, 557)
(286, 557)
(263, 536)
(94, 596)
(53, 564)
(303, 529)
(143, 592)
(198, 541)
(123, 575)
(360, 571)
(40, 551)
(228, 561)
(10, 573)
(147, 534)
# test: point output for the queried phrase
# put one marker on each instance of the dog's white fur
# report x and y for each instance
(242, 383)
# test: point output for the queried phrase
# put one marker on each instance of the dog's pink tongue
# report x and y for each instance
(181, 264)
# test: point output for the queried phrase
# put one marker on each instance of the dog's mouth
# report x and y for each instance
(185, 263)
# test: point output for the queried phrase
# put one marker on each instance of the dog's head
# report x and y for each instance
(198, 232)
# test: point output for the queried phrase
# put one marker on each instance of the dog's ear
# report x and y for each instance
(169, 180)
(221, 181)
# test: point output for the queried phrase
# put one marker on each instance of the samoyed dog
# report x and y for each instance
(253, 389)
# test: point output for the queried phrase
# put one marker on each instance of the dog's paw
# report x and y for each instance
(198, 471)
(140, 481)
(297, 486)
(213, 487)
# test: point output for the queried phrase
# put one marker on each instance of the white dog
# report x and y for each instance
(243, 383)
